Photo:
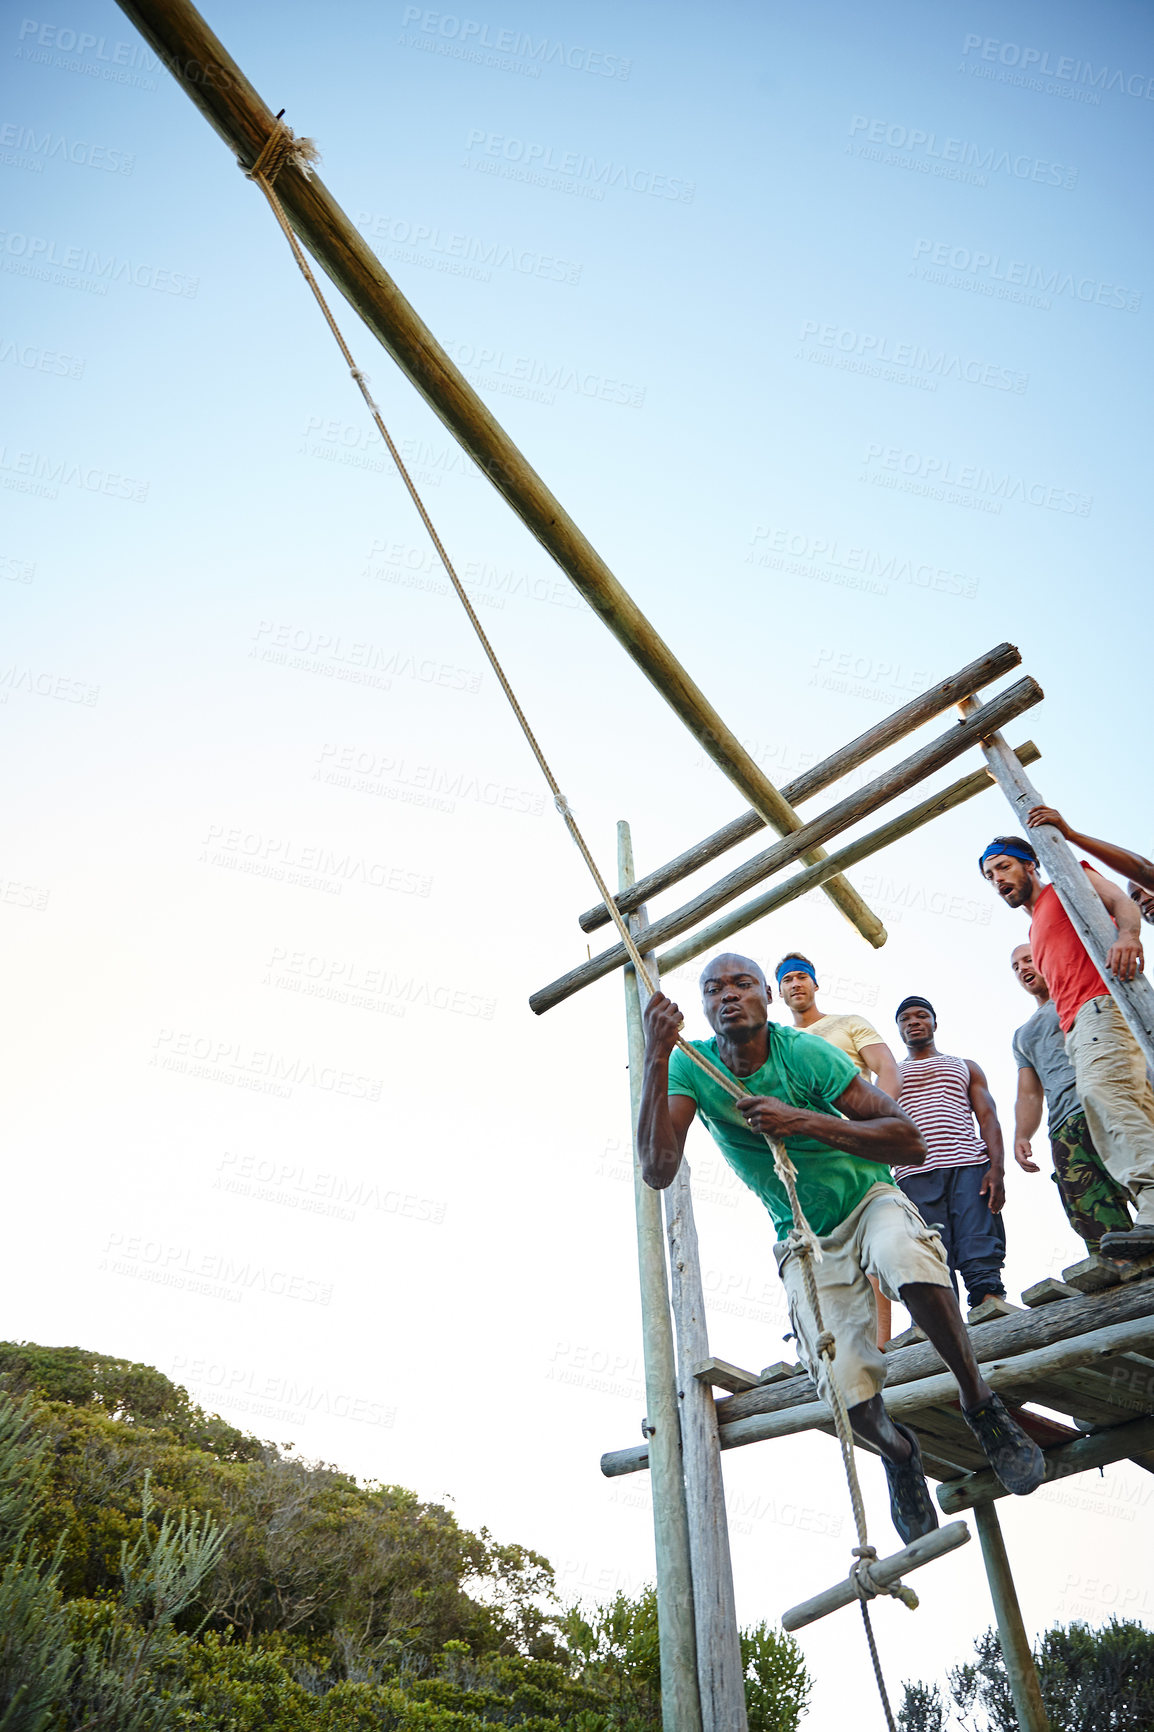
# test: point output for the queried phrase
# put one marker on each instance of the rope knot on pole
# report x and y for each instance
(864, 1585)
(280, 147)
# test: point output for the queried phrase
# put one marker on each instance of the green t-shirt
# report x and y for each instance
(806, 1072)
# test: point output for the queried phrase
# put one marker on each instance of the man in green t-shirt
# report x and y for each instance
(839, 1131)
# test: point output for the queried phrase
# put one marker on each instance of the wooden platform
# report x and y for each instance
(1077, 1362)
(1109, 1390)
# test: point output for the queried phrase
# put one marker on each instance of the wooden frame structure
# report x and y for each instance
(686, 1429)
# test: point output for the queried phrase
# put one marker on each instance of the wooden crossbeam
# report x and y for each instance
(1008, 1373)
(986, 718)
(883, 1574)
(747, 913)
(1097, 1449)
(208, 74)
(905, 721)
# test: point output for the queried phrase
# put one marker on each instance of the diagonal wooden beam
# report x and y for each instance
(208, 74)
(985, 719)
(737, 919)
(896, 727)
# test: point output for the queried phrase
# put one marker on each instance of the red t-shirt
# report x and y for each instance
(1062, 957)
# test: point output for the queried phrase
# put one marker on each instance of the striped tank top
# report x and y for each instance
(935, 1093)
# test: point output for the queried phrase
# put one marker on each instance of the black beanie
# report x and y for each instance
(909, 1003)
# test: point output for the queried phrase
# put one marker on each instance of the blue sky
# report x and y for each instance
(828, 327)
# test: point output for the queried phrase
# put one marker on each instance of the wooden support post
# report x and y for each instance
(737, 919)
(1024, 1686)
(898, 780)
(208, 74)
(680, 1701)
(904, 721)
(719, 1668)
(1134, 998)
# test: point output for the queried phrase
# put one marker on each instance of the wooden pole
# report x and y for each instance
(872, 843)
(1019, 1661)
(680, 1701)
(838, 817)
(883, 1573)
(209, 75)
(904, 721)
(720, 1672)
(1134, 998)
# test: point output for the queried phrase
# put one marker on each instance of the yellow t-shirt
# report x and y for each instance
(850, 1033)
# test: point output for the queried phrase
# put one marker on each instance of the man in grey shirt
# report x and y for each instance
(1094, 1202)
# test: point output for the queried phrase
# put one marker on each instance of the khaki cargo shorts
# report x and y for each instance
(885, 1236)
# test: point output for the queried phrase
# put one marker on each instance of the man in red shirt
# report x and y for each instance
(1109, 1065)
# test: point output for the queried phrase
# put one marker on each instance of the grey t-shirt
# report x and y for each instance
(1041, 1044)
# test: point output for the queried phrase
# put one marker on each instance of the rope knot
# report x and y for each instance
(280, 147)
(827, 1349)
(362, 380)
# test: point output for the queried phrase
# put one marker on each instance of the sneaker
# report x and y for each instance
(1124, 1247)
(911, 1505)
(1014, 1457)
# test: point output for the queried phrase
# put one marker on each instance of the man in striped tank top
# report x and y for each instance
(960, 1187)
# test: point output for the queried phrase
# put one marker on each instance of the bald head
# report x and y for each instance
(1027, 973)
(728, 963)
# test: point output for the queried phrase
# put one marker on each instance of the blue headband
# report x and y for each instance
(795, 965)
(1013, 849)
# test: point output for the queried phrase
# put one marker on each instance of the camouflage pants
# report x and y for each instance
(1095, 1203)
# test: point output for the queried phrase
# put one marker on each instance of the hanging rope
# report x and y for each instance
(283, 147)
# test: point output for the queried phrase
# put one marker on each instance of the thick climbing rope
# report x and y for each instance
(281, 148)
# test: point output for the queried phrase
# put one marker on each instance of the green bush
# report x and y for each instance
(161, 1571)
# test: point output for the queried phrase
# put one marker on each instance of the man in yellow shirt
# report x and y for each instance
(858, 1039)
